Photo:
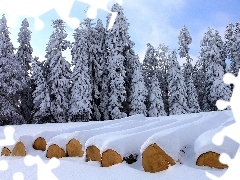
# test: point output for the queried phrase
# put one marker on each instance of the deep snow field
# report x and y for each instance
(128, 135)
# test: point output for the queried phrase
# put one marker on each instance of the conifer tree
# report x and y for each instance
(137, 92)
(177, 89)
(149, 67)
(96, 49)
(11, 81)
(57, 72)
(163, 59)
(81, 90)
(192, 96)
(117, 43)
(184, 41)
(41, 97)
(155, 99)
(212, 57)
(131, 63)
(102, 82)
(24, 56)
(232, 44)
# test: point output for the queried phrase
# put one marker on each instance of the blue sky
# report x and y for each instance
(151, 21)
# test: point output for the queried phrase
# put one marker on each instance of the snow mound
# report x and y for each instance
(83, 135)
(176, 138)
(47, 135)
(129, 141)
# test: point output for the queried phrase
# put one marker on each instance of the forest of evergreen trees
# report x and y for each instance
(105, 79)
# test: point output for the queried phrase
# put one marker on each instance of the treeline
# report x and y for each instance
(107, 80)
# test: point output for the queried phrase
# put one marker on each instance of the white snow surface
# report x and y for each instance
(129, 141)
(127, 135)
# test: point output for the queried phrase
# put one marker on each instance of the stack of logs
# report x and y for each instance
(154, 159)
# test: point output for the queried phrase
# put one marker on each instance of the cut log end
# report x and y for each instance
(19, 149)
(154, 159)
(40, 144)
(110, 157)
(5, 152)
(55, 151)
(74, 148)
(210, 159)
(93, 154)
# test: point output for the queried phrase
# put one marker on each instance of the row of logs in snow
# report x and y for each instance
(156, 153)
(154, 159)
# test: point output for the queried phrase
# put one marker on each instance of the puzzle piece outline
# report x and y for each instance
(8, 141)
(31, 9)
(229, 131)
(44, 170)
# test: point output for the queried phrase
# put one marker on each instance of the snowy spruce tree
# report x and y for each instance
(11, 81)
(96, 44)
(212, 60)
(102, 83)
(41, 96)
(178, 103)
(81, 90)
(131, 63)
(137, 92)
(192, 97)
(155, 99)
(149, 67)
(163, 59)
(24, 56)
(57, 72)
(232, 44)
(117, 43)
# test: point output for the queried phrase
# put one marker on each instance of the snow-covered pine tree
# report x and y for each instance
(155, 99)
(24, 56)
(199, 71)
(232, 44)
(149, 67)
(57, 72)
(81, 90)
(192, 96)
(103, 82)
(117, 43)
(218, 90)
(212, 59)
(131, 63)
(163, 56)
(184, 40)
(41, 97)
(96, 49)
(138, 92)
(11, 81)
(177, 88)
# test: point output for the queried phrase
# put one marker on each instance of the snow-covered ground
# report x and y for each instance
(126, 136)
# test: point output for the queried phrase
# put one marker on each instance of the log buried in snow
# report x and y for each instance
(40, 144)
(55, 151)
(5, 152)
(93, 154)
(110, 157)
(210, 159)
(74, 148)
(154, 159)
(19, 149)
